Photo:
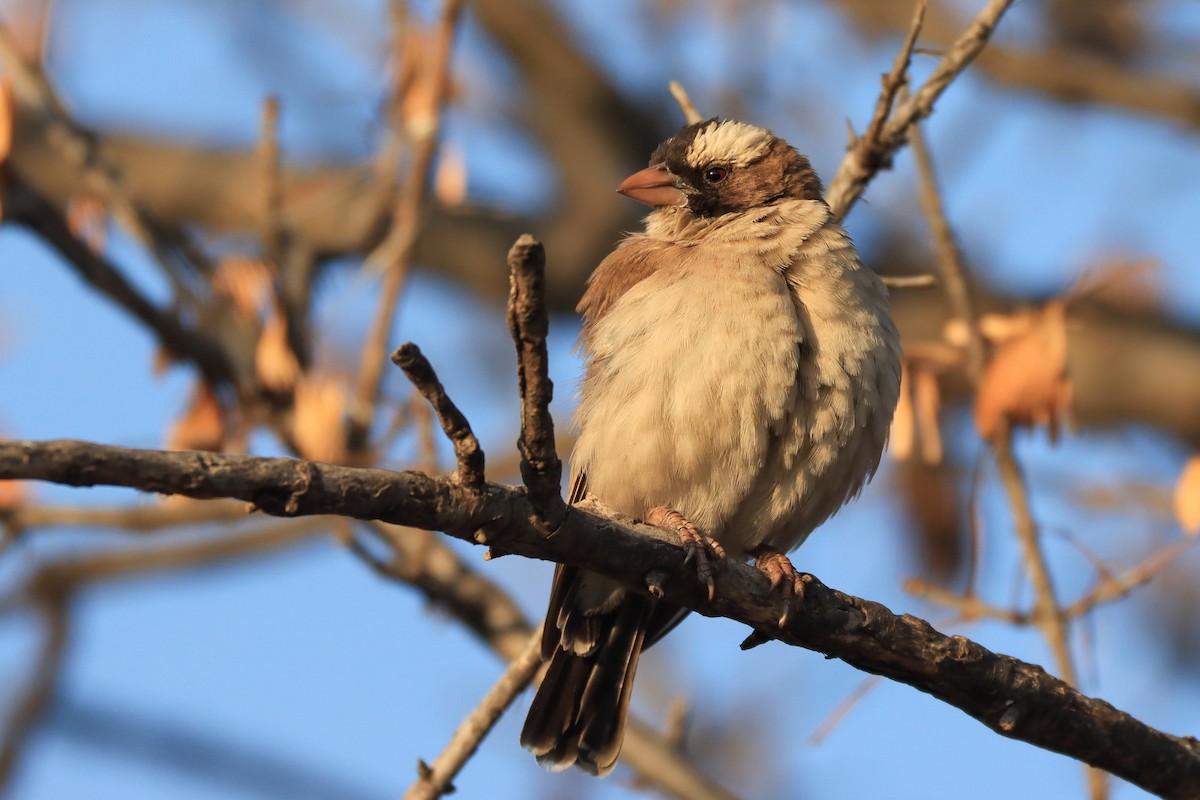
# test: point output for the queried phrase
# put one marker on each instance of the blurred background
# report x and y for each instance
(207, 204)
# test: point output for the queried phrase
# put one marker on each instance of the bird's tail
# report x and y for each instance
(578, 714)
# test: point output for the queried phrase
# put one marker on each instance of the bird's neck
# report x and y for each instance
(681, 226)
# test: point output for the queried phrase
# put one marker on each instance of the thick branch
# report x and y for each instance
(1013, 698)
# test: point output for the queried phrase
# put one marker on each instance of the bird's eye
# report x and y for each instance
(715, 174)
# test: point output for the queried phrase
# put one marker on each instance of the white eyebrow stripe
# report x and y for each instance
(730, 142)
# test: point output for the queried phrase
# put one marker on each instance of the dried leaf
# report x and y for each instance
(1187, 497)
(903, 432)
(8, 116)
(1026, 381)
(318, 424)
(927, 399)
(13, 494)
(274, 362)
(87, 220)
(450, 180)
(246, 282)
(202, 426)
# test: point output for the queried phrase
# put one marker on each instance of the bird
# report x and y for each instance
(741, 370)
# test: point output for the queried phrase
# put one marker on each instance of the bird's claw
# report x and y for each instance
(783, 577)
(703, 551)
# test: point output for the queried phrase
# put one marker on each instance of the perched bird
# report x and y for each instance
(741, 374)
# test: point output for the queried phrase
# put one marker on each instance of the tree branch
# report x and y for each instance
(1013, 698)
(528, 323)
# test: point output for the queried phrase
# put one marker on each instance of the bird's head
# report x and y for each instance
(718, 167)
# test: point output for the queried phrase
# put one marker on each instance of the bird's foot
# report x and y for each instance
(783, 576)
(705, 552)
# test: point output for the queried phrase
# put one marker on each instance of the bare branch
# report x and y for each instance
(433, 568)
(528, 323)
(1013, 698)
(28, 708)
(871, 153)
(37, 214)
(434, 780)
(690, 114)
(394, 254)
(466, 447)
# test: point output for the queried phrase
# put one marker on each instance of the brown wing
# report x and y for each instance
(635, 259)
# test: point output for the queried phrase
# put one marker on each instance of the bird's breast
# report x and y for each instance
(689, 376)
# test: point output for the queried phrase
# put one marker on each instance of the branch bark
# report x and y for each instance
(1011, 697)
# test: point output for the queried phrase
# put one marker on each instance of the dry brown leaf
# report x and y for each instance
(8, 117)
(1026, 381)
(202, 426)
(318, 424)
(246, 282)
(274, 362)
(13, 494)
(927, 398)
(1187, 497)
(450, 180)
(903, 432)
(87, 220)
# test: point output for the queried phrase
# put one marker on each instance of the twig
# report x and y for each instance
(98, 271)
(528, 323)
(466, 447)
(1108, 590)
(908, 281)
(835, 717)
(271, 184)
(435, 779)
(869, 154)
(32, 703)
(395, 252)
(690, 114)
(77, 147)
(1013, 698)
(427, 563)
(950, 263)
(127, 519)
(1048, 614)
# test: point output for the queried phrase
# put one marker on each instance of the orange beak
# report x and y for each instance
(654, 186)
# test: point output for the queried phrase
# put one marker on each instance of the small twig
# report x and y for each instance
(466, 447)
(690, 114)
(893, 81)
(395, 252)
(435, 779)
(969, 606)
(195, 345)
(847, 704)
(528, 323)
(1117, 586)
(870, 154)
(1113, 588)
(140, 518)
(32, 703)
(1048, 614)
(77, 147)
(950, 261)
(908, 281)
(271, 184)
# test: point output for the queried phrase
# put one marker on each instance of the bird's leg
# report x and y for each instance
(783, 576)
(706, 552)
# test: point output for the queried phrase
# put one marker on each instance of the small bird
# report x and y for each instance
(741, 371)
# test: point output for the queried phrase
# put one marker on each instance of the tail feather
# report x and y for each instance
(578, 714)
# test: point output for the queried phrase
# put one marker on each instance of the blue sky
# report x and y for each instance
(309, 661)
